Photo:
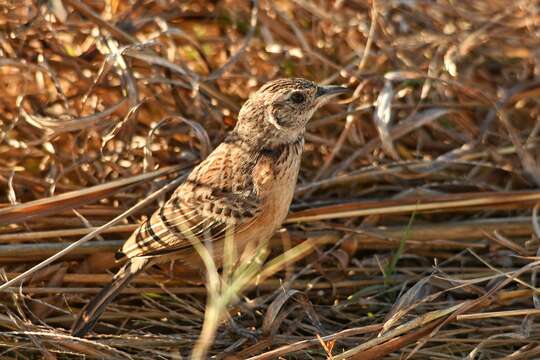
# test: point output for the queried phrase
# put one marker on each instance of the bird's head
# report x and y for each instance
(279, 111)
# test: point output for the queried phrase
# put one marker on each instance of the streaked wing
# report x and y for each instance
(218, 195)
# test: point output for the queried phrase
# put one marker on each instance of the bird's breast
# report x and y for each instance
(278, 178)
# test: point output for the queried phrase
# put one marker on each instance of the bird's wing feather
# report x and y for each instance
(218, 195)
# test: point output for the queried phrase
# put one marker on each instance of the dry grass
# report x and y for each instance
(414, 232)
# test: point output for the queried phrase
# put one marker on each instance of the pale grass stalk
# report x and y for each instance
(221, 292)
(493, 314)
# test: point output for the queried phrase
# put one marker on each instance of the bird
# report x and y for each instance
(244, 187)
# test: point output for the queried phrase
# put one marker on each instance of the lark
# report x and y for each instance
(244, 188)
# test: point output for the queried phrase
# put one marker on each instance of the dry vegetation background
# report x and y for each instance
(415, 210)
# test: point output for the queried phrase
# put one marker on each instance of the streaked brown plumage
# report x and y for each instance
(244, 187)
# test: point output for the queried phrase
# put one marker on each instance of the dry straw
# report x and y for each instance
(105, 104)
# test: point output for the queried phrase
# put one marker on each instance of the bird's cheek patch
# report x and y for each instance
(274, 118)
(280, 115)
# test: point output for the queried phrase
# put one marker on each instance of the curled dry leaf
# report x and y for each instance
(383, 118)
(56, 125)
(274, 309)
(407, 302)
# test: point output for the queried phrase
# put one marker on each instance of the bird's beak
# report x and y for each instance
(327, 92)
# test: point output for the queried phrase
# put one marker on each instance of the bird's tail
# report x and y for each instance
(90, 314)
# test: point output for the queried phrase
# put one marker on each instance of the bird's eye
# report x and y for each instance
(298, 97)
